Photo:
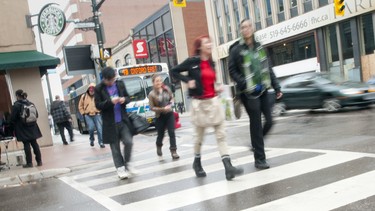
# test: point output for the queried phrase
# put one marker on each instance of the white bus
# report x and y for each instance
(138, 82)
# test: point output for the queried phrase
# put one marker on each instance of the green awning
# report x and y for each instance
(27, 59)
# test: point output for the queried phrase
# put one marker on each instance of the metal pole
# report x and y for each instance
(99, 38)
(339, 46)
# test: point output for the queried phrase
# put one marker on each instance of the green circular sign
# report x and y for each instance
(51, 20)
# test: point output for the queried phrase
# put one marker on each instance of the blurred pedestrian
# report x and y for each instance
(207, 110)
(26, 128)
(249, 68)
(91, 114)
(111, 98)
(161, 102)
(61, 116)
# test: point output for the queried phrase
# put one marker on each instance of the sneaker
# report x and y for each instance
(159, 152)
(122, 173)
(92, 143)
(29, 165)
(261, 164)
(102, 146)
(65, 143)
(71, 140)
(131, 169)
(40, 163)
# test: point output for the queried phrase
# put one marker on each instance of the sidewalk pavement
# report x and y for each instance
(61, 159)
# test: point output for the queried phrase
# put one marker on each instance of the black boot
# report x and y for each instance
(197, 166)
(230, 171)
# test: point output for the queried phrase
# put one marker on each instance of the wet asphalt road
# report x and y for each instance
(351, 130)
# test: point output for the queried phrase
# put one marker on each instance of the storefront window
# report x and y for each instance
(219, 21)
(143, 34)
(158, 26)
(153, 49)
(228, 23)
(368, 34)
(346, 40)
(236, 16)
(163, 45)
(294, 51)
(245, 6)
(171, 49)
(150, 31)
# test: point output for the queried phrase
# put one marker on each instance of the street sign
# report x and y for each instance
(82, 25)
(106, 53)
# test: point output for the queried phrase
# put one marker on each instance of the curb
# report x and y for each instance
(32, 177)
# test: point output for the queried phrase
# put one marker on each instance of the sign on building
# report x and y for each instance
(140, 49)
(106, 53)
(51, 20)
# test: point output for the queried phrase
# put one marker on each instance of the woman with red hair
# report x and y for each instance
(206, 109)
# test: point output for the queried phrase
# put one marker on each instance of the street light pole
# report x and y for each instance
(99, 36)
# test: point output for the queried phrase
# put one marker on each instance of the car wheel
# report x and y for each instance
(331, 105)
(279, 109)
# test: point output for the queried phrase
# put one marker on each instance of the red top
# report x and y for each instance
(208, 80)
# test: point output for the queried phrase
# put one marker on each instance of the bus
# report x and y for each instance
(138, 82)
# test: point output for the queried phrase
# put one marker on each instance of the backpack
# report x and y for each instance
(28, 114)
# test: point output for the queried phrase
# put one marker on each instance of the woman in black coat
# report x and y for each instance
(27, 133)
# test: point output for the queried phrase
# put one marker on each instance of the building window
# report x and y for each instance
(268, 8)
(236, 17)
(293, 51)
(333, 48)
(143, 34)
(257, 15)
(281, 5)
(167, 22)
(281, 15)
(163, 45)
(228, 23)
(346, 40)
(293, 3)
(368, 34)
(323, 3)
(128, 59)
(153, 49)
(245, 6)
(293, 8)
(158, 27)
(219, 21)
(150, 31)
(118, 63)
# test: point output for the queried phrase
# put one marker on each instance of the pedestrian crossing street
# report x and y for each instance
(299, 179)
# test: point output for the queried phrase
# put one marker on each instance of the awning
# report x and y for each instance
(27, 59)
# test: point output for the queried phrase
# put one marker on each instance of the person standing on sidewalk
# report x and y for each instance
(111, 98)
(206, 106)
(62, 118)
(91, 114)
(249, 68)
(161, 101)
(25, 131)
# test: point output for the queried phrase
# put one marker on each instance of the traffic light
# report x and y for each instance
(179, 3)
(339, 7)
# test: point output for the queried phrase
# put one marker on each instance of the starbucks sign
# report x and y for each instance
(51, 20)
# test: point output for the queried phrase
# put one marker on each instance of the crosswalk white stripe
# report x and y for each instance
(136, 163)
(222, 188)
(163, 166)
(98, 197)
(327, 197)
(123, 189)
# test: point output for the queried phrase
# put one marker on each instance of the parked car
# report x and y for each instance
(320, 90)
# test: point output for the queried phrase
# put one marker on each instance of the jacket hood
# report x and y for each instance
(90, 85)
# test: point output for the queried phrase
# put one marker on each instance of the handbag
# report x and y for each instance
(207, 112)
(139, 123)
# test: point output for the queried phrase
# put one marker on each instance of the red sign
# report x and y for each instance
(140, 49)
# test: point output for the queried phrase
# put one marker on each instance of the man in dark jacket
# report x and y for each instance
(62, 118)
(111, 98)
(27, 133)
(249, 68)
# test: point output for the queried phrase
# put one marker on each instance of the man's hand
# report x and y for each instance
(191, 84)
(279, 95)
(115, 100)
(122, 100)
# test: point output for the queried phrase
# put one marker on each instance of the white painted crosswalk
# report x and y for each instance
(299, 179)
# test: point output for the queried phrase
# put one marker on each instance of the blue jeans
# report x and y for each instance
(95, 122)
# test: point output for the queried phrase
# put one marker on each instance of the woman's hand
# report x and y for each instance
(167, 108)
(191, 84)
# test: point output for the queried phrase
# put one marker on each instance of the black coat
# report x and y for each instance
(235, 70)
(103, 102)
(192, 66)
(23, 132)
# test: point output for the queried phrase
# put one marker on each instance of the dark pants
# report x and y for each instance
(123, 135)
(166, 121)
(36, 149)
(254, 108)
(68, 126)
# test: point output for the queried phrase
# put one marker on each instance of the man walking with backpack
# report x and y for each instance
(62, 118)
(24, 122)
(91, 114)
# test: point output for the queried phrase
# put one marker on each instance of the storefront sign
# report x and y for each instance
(140, 49)
(139, 70)
(51, 20)
(312, 20)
